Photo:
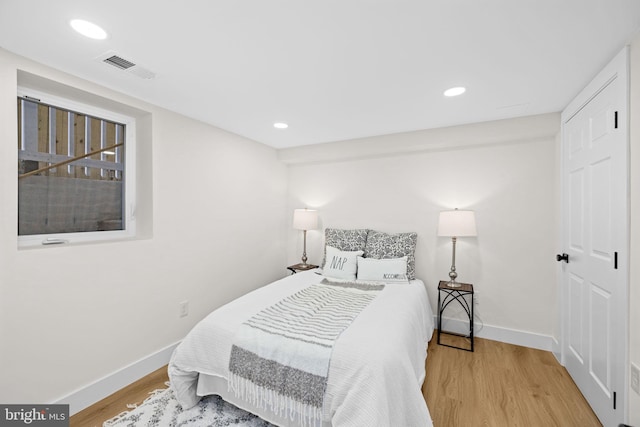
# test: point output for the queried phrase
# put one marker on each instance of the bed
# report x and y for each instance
(377, 364)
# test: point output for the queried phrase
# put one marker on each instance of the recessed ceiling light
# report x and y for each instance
(455, 91)
(280, 125)
(88, 29)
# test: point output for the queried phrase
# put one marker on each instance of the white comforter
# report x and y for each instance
(377, 367)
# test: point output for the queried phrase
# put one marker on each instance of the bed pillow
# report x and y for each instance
(344, 240)
(383, 270)
(341, 264)
(381, 245)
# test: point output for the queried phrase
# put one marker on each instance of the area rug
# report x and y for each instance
(162, 409)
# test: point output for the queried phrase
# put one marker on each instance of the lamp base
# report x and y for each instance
(453, 284)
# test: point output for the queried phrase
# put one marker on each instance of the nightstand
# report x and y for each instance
(301, 267)
(461, 294)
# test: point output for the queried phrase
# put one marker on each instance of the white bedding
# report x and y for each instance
(376, 371)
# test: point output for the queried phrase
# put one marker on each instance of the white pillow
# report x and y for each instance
(383, 270)
(341, 264)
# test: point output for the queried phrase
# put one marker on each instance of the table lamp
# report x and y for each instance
(454, 224)
(305, 219)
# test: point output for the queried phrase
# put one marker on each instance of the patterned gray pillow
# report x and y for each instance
(345, 240)
(382, 245)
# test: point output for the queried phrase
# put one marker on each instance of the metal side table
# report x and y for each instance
(446, 295)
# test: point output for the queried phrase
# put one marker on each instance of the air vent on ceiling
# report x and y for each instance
(119, 62)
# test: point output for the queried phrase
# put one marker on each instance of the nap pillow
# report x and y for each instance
(383, 270)
(381, 245)
(345, 240)
(341, 264)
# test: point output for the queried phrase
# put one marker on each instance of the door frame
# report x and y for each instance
(618, 68)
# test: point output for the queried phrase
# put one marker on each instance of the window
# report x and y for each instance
(74, 174)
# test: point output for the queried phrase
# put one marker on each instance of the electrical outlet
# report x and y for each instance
(635, 378)
(184, 308)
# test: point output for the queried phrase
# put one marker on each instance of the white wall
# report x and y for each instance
(634, 280)
(210, 203)
(506, 171)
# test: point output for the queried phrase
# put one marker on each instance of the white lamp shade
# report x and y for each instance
(305, 219)
(457, 223)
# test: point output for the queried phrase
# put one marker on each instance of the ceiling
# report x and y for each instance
(332, 69)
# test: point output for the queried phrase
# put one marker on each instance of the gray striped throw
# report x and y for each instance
(280, 356)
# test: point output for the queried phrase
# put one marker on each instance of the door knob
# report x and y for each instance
(563, 257)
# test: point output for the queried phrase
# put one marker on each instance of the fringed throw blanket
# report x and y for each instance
(280, 356)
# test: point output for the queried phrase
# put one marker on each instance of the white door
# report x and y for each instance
(595, 230)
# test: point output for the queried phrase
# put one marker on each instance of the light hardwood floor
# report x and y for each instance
(501, 385)
(498, 385)
(109, 407)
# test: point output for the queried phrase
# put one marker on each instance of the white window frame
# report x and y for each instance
(129, 210)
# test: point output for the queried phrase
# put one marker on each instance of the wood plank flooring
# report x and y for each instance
(498, 385)
(109, 407)
(501, 385)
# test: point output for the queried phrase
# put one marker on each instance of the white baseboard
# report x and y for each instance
(557, 351)
(93, 393)
(497, 333)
